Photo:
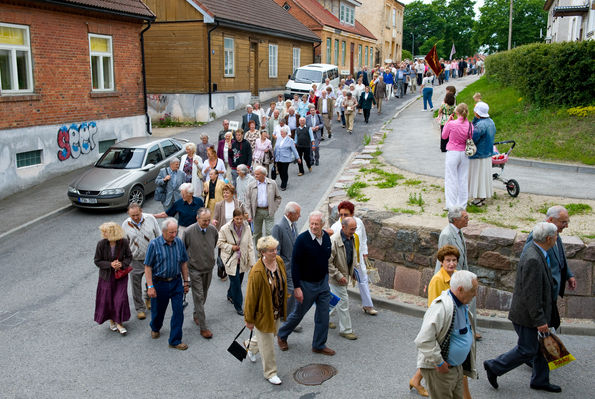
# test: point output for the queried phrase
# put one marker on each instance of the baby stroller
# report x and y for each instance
(498, 161)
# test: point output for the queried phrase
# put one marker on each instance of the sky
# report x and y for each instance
(478, 3)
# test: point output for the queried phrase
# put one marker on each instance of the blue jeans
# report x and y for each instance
(427, 94)
(167, 290)
(527, 349)
(235, 289)
(401, 88)
(446, 75)
(314, 293)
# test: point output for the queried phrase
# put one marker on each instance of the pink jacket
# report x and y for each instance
(457, 132)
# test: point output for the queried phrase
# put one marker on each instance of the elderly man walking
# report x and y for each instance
(168, 181)
(445, 344)
(166, 259)
(262, 200)
(286, 232)
(344, 258)
(380, 93)
(140, 228)
(309, 271)
(458, 218)
(325, 107)
(304, 140)
(250, 116)
(200, 240)
(533, 310)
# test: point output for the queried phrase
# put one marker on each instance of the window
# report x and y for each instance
(229, 55)
(366, 55)
(394, 17)
(328, 50)
(273, 48)
(154, 156)
(371, 56)
(347, 14)
(387, 17)
(296, 58)
(28, 158)
(16, 72)
(359, 54)
(102, 62)
(231, 103)
(343, 52)
(336, 52)
(286, 7)
(169, 148)
(104, 145)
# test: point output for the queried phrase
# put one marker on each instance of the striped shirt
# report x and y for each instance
(165, 259)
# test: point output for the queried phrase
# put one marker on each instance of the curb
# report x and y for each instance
(482, 321)
(36, 220)
(552, 165)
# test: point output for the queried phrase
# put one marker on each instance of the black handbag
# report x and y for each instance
(220, 268)
(236, 349)
(274, 171)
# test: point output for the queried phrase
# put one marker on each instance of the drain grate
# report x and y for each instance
(314, 374)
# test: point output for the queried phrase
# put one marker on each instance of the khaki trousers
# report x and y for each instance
(326, 120)
(342, 308)
(444, 386)
(349, 118)
(200, 283)
(265, 344)
(379, 104)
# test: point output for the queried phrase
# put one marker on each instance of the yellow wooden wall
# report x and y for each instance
(173, 10)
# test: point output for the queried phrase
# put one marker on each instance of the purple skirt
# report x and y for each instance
(111, 301)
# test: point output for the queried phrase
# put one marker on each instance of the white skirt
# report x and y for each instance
(480, 178)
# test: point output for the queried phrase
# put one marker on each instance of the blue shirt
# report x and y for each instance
(165, 259)
(186, 211)
(461, 337)
(484, 131)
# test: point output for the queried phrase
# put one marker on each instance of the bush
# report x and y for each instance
(406, 55)
(556, 73)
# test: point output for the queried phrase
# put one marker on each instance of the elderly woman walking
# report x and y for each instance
(456, 171)
(191, 165)
(263, 151)
(213, 190)
(266, 305)
(285, 153)
(185, 209)
(480, 164)
(113, 258)
(237, 254)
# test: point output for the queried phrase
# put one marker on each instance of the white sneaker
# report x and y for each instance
(275, 380)
(252, 357)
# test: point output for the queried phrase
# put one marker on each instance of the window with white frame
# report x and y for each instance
(359, 55)
(273, 51)
(336, 52)
(328, 50)
(394, 17)
(102, 62)
(296, 58)
(16, 71)
(347, 14)
(229, 55)
(371, 56)
(366, 55)
(343, 51)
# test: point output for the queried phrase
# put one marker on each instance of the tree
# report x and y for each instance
(406, 55)
(491, 30)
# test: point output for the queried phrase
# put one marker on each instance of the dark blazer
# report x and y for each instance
(245, 120)
(317, 119)
(104, 258)
(364, 76)
(366, 104)
(282, 233)
(533, 299)
(172, 194)
(557, 261)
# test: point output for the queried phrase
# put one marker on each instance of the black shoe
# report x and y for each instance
(230, 300)
(316, 163)
(184, 304)
(547, 388)
(492, 378)
(283, 188)
(330, 135)
(322, 139)
(240, 312)
(529, 363)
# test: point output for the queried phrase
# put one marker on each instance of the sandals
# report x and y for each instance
(121, 329)
(478, 202)
(112, 326)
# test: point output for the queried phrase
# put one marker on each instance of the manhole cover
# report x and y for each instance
(314, 374)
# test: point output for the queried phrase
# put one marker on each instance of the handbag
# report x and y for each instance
(161, 191)
(470, 148)
(373, 275)
(220, 268)
(237, 350)
(274, 171)
(121, 272)
(555, 353)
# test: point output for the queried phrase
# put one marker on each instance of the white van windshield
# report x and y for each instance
(307, 76)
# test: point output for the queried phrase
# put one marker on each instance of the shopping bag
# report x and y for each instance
(553, 350)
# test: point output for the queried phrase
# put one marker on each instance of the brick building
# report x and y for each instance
(206, 58)
(345, 41)
(71, 84)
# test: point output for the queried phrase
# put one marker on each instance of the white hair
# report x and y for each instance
(243, 168)
(174, 160)
(463, 279)
(249, 106)
(190, 146)
(455, 213)
(186, 187)
(543, 230)
(316, 214)
(202, 136)
(291, 207)
(260, 169)
(555, 211)
(165, 224)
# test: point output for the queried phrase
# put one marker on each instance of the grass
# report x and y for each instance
(497, 223)
(476, 209)
(416, 199)
(376, 153)
(572, 208)
(355, 191)
(383, 137)
(552, 133)
(388, 179)
(589, 235)
(412, 182)
(367, 139)
(402, 210)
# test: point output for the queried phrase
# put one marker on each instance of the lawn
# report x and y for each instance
(552, 134)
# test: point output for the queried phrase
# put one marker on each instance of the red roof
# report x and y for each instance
(130, 7)
(326, 18)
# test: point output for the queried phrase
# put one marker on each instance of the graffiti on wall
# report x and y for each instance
(158, 102)
(76, 140)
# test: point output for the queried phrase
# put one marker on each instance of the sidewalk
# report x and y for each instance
(415, 142)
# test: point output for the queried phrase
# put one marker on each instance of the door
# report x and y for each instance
(254, 68)
(351, 51)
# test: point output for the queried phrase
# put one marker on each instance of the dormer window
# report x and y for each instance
(347, 14)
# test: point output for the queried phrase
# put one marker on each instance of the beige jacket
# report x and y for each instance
(434, 330)
(273, 197)
(337, 263)
(228, 238)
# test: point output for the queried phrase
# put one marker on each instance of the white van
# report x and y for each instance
(301, 80)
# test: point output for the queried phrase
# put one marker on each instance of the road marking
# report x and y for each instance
(38, 219)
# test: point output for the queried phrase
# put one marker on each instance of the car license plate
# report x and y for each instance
(87, 200)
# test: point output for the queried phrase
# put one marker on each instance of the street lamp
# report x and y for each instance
(413, 44)
(510, 26)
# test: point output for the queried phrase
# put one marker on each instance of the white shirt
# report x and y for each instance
(292, 121)
(277, 131)
(319, 239)
(261, 198)
(324, 107)
(229, 208)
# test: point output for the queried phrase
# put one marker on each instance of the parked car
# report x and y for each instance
(300, 82)
(125, 173)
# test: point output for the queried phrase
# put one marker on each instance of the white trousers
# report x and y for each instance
(342, 308)
(364, 289)
(456, 176)
(389, 91)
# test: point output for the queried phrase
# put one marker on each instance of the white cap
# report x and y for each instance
(482, 109)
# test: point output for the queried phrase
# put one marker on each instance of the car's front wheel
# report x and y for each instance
(137, 195)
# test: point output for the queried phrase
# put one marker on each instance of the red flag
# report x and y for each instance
(433, 62)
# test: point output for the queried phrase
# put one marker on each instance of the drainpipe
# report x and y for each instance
(142, 49)
(209, 50)
(314, 53)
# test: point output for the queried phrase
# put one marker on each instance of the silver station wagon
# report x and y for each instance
(125, 173)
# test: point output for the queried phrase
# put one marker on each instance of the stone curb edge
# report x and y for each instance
(36, 220)
(482, 321)
(552, 165)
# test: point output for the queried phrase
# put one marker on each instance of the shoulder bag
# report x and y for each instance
(121, 272)
(161, 190)
(470, 148)
(237, 350)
